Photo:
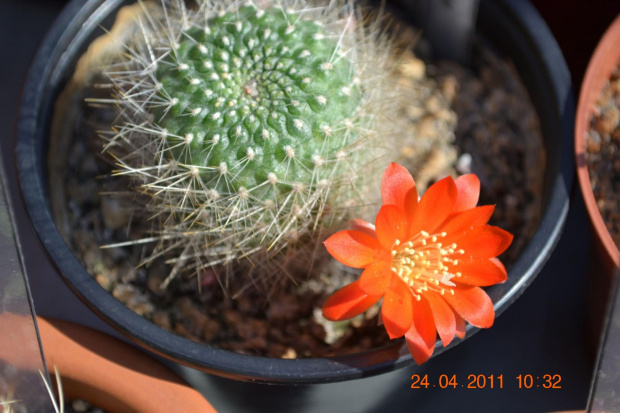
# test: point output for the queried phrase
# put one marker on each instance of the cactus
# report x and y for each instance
(252, 130)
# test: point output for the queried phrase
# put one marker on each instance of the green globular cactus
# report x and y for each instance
(254, 130)
(265, 97)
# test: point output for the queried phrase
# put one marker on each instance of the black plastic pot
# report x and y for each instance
(513, 27)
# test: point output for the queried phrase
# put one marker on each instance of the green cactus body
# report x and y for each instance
(252, 130)
(259, 95)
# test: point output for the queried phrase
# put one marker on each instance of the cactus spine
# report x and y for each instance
(253, 129)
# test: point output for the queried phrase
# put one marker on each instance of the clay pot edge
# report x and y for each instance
(111, 374)
(604, 59)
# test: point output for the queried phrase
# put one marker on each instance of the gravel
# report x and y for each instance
(603, 154)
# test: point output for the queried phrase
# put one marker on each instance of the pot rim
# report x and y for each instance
(605, 58)
(35, 106)
(111, 374)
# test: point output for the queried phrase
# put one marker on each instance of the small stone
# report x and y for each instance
(284, 308)
(191, 314)
(449, 87)
(427, 128)
(593, 142)
(608, 120)
(114, 215)
(433, 104)
(91, 258)
(80, 405)
(211, 330)
(414, 112)
(256, 343)
(251, 328)
(104, 282)
(232, 317)
(142, 307)
(181, 330)
(446, 115)
(495, 102)
(463, 164)
(135, 300)
(615, 87)
(290, 354)
(438, 161)
(123, 293)
(153, 283)
(162, 319)
(413, 68)
(245, 305)
(127, 273)
(408, 151)
(511, 201)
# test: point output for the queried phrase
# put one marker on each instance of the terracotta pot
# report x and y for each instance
(113, 375)
(605, 256)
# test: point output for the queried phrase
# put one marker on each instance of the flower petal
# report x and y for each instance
(348, 302)
(482, 242)
(411, 203)
(443, 315)
(391, 225)
(482, 272)
(355, 249)
(376, 278)
(468, 187)
(473, 304)
(362, 226)
(396, 182)
(467, 220)
(434, 207)
(396, 309)
(422, 334)
(461, 329)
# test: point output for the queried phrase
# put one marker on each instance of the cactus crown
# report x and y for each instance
(267, 99)
(252, 129)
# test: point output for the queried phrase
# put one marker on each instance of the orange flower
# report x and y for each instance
(427, 259)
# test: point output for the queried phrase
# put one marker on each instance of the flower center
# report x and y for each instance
(421, 263)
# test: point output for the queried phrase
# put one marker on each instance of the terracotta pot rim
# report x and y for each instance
(606, 56)
(111, 374)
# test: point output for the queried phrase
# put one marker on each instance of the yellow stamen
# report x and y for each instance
(421, 263)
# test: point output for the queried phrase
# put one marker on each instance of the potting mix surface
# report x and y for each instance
(603, 154)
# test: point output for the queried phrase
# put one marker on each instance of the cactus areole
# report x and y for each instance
(259, 97)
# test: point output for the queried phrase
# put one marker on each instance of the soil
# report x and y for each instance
(477, 120)
(603, 154)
